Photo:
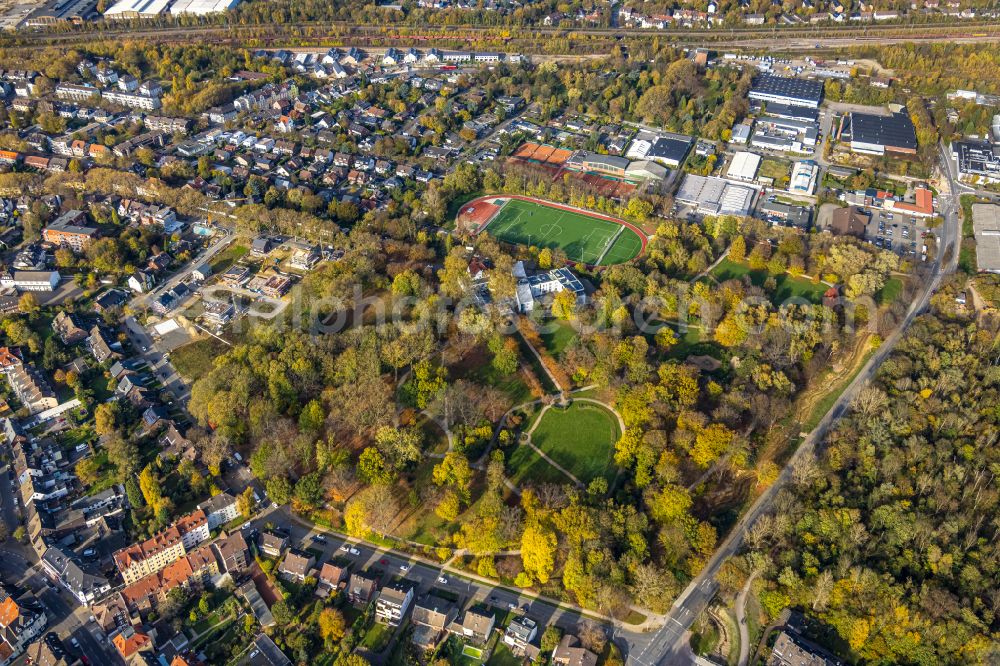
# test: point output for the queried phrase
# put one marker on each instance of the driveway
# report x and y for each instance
(159, 366)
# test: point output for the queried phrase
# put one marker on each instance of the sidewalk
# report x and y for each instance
(651, 622)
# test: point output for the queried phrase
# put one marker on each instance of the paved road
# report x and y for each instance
(205, 256)
(65, 617)
(425, 575)
(9, 499)
(667, 646)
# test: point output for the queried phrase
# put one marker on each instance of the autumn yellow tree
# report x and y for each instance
(538, 551)
(332, 625)
(545, 259)
(149, 484)
(710, 443)
(564, 305)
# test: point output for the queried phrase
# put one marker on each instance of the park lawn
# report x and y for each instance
(580, 437)
(425, 526)
(890, 291)
(196, 359)
(729, 270)
(528, 466)
(686, 343)
(513, 384)
(557, 335)
(789, 286)
(222, 261)
(786, 286)
(435, 440)
(477, 366)
(422, 524)
(582, 237)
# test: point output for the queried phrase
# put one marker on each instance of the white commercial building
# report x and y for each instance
(744, 167)
(716, 196)
(128, 9)
(202, 7)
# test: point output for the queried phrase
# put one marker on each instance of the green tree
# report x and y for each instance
(279, 488)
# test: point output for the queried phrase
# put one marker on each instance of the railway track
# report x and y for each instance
(329, 32)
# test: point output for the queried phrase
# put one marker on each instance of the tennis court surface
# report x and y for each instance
(583, 237)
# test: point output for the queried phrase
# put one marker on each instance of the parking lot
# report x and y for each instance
(898, 232)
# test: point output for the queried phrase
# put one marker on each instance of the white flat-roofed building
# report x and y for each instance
(132, 100)
(715, 196)
(77, 93)
(803, 178)
(126, 9)
(202, 7)
(986, 227)
(31, 280)
(744, 167)
(977, 159)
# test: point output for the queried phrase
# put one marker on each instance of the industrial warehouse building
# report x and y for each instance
(801, 113)
(744, 167)
(979, 159)
(986, 227)
(667, 148)
(129, 9)
(788, 91)
(715, 196)
(877, 135)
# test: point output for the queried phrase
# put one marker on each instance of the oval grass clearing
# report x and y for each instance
(581, 438)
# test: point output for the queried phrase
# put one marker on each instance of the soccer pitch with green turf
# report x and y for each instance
(583, 238)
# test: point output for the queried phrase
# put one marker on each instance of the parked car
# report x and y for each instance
(442, 580)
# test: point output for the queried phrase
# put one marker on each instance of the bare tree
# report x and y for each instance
(592, 636)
